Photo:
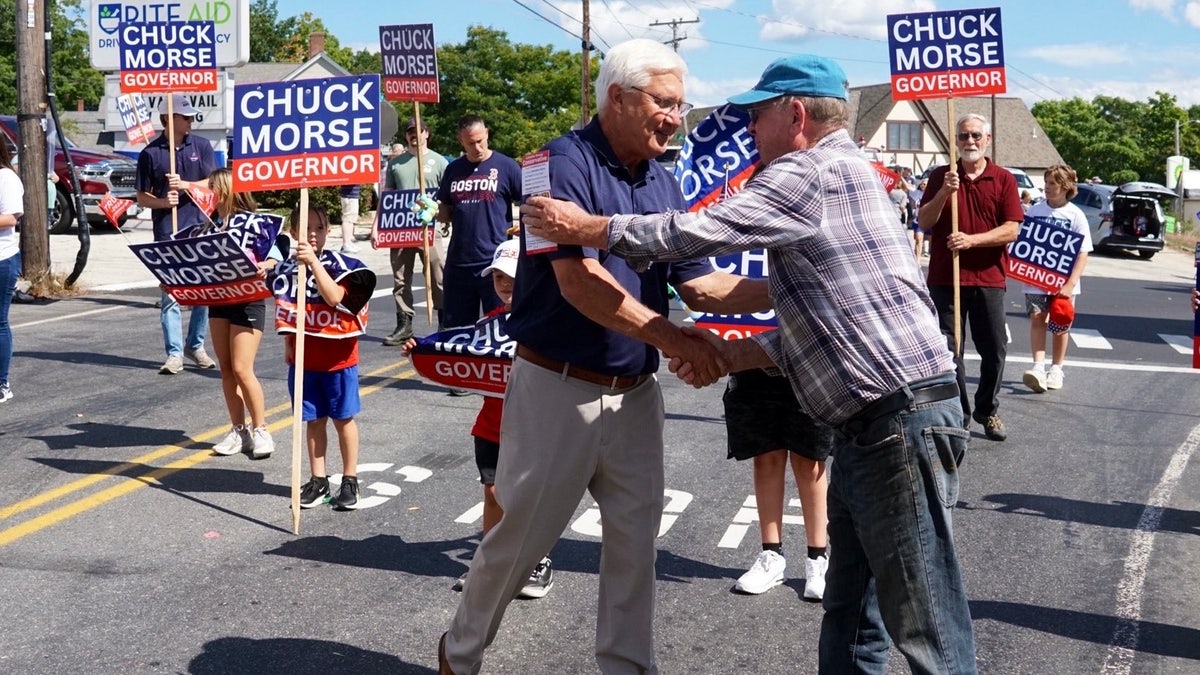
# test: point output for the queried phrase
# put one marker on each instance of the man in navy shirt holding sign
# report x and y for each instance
(477, 194)
(158, 188)
(583, 409)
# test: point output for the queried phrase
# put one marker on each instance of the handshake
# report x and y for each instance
(699, 357)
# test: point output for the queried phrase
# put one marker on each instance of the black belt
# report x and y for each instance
(914, 394)
(570, 370)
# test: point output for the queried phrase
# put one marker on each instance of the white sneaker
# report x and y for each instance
(261, 443)
(349, 248)
(1054, 378)
(237, 440)
(814, 577)
(1035, 379)
(766, 573)
(199, 357)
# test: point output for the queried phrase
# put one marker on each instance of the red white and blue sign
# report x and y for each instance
(348, 319)
(212, 269)
(946, 54)
(255, 233)
(1043, 254)
(168, 56)
(716, 160)
(410, 69)
(306, 133)
(397, 225)
(135, 118)
(717, 157)
(476, 358)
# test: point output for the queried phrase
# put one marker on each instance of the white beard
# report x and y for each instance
(971, 155)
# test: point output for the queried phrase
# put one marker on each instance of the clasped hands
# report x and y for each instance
(699, 357)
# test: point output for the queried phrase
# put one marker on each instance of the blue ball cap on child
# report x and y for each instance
(797, 75)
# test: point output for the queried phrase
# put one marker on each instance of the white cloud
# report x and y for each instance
(1082, 54)
(704, 93)
(1191, 13)
(616, 21)
(791, 19)
(1164, 7)
(1184, 86)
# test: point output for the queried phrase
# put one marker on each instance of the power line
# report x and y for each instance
(557, 25)
(616, 19)
(592, 29)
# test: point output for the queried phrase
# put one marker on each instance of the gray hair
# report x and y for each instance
(987, 126)
(827, 111)
(632, 63)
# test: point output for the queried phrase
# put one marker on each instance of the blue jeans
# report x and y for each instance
(8, 277)
(172, 326)
(892, 566)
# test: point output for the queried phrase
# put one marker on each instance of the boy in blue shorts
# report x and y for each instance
(336, 296)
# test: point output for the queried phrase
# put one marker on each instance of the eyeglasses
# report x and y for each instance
(755, 111)
(965, 136)
(667, 105)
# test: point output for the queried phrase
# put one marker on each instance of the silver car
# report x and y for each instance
(1092, 199)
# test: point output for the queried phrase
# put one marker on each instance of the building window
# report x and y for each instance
(905, 136)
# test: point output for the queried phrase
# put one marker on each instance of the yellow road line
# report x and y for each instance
(139, 481)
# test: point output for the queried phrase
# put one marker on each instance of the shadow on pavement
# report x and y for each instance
(1153, 638)
(1117, 514)
(294, 656)
(102, 435)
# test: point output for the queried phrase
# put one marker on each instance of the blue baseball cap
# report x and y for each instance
(797, 75)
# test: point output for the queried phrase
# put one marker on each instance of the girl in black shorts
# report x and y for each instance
(236, 332)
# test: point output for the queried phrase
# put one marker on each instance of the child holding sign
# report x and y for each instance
(338, 290)
(486, 431)
(237, 331)
(1060, 189)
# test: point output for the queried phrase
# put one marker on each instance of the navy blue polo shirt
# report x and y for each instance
(194, 160)
(585, 170)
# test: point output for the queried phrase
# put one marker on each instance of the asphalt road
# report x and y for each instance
(126, 546)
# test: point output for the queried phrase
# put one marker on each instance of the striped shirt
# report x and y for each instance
(855, 319)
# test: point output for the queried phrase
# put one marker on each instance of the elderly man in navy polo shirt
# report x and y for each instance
(583, 410)
(158, 188)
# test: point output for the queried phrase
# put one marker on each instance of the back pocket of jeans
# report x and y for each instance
(946, 448)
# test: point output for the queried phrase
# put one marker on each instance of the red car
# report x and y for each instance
(98, 172)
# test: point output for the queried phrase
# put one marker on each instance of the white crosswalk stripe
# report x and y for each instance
(1180, 343)
(1087, 338)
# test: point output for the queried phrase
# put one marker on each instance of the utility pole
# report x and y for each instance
(31, 114)
(585, 81)
(673, 23)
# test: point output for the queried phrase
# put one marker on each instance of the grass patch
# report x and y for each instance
(53, 285)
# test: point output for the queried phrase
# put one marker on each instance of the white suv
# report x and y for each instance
(1024, 182)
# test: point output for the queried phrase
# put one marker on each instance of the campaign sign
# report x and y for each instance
(320, 319)
(397, 224)
(105, 20)
(751, 264)
(255, 233)
(168, 56)
(114, 207)
(717, 157)
(306, 133)
(1043, 254)
(410, 70)
(208, 270)
(131, 108)
(476, 358)
(943, 54)
(888, 177)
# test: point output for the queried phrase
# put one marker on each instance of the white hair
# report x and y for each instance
(987, 126)
(632, 63)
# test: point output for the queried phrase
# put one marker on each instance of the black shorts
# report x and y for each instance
(762, 414)
(487, 454)
(250, 314)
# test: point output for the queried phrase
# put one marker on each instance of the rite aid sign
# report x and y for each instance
(231, 19)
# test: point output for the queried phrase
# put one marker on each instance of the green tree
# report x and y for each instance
(268, 32)
(74, 77)
(527, 94)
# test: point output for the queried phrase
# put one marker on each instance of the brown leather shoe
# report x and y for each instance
(443, 664)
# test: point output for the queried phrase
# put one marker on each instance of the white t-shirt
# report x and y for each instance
(12, 201)
(1070, 217)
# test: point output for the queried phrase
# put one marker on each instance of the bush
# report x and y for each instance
(1124, 176)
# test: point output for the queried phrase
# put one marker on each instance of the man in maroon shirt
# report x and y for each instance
(989, 217)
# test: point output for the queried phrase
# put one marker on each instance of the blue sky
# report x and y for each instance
(1054, 49)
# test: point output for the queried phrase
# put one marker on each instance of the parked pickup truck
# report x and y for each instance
(98, 172)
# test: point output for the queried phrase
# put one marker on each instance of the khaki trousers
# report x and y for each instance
(559, 437)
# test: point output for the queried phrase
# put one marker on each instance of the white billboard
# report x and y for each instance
(231, 17)
(210, 104)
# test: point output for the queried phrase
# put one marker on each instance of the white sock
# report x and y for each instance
(1039, 365)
